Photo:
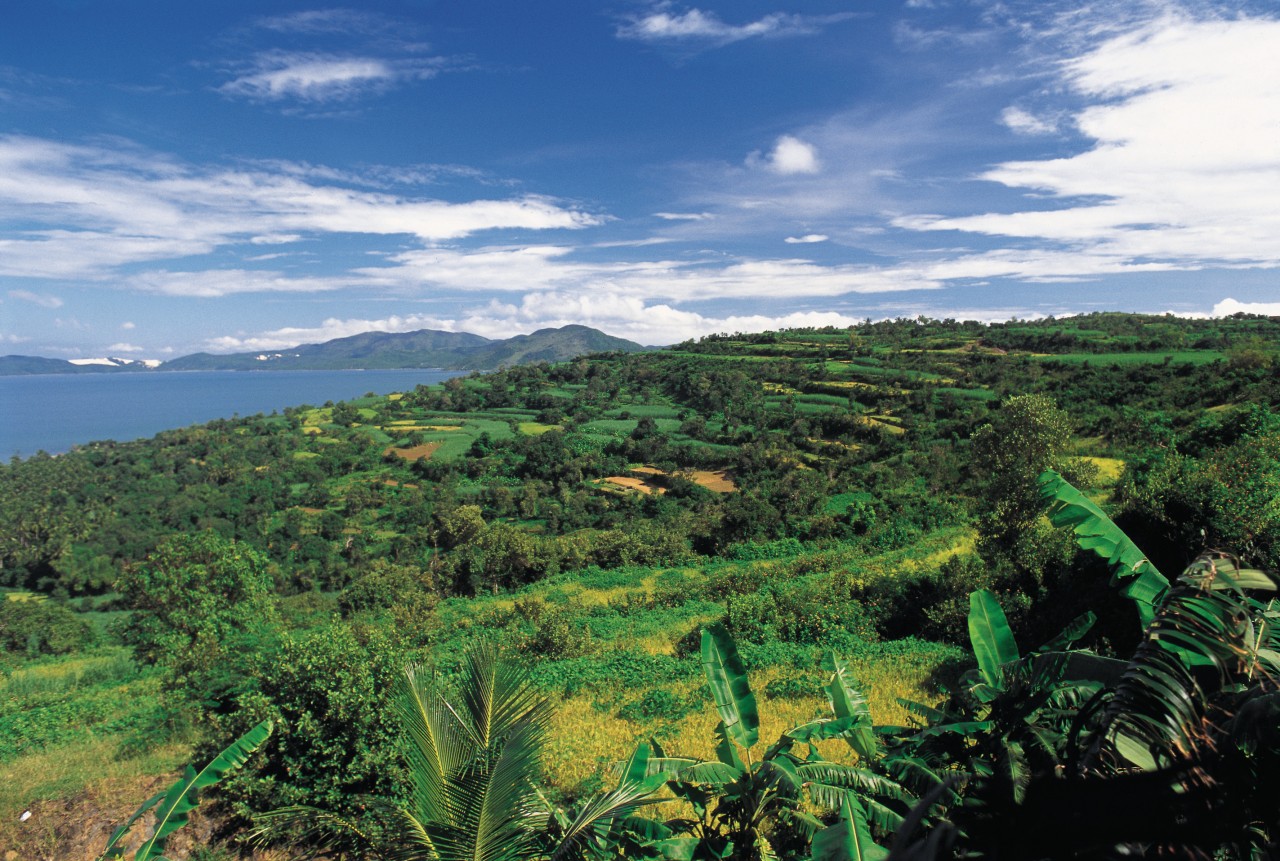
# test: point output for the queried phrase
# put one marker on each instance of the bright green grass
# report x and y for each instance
(841, 501)
(536, 428)
(377, 436)
(611, 427)
(1190, 357)
(830, 400)
(975, 394)
(654, 411)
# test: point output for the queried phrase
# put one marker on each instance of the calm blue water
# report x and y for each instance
(53, 412)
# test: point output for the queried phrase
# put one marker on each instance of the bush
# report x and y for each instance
(805, 612)
(336, 737)
(538, 629)
(42, 628)
(387, 585)
(659, 705)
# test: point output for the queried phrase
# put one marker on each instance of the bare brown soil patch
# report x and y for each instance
(640, 485)
(719, 481)
(418, 451)
(77, 828)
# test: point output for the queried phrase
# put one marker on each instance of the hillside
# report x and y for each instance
(830, 497)
(372, 351)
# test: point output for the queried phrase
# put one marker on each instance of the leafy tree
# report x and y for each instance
(196, 600)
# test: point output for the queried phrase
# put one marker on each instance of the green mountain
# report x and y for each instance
(426, 348)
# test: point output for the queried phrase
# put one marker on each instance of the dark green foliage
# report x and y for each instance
(37, 627)
(336, 736)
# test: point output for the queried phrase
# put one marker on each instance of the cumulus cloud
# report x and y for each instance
(663, 24)
(1227, 307)
(1184, 171)
(93, 208)
(124, 348)
(620, 315)
(278, 75)
(807, 239)
(790, 155)
(43, 300)
(292, 336)
(128, 325)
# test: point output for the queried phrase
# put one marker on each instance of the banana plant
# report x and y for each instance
(173, 806)
(748, 801)
(1173, 753)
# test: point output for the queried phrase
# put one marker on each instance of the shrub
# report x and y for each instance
(336, 738)
(42, 628)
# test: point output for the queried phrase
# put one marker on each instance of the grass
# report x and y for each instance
(58, 772)
(536, 428)
(1190, 357)
(75, 721)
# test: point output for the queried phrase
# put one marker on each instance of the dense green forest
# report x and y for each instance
(865, 523)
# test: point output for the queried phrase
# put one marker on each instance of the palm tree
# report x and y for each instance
(472, 762)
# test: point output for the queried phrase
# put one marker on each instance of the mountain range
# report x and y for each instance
(426, 348)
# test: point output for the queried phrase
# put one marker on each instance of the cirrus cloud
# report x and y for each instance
(88, 209)
(663, 24)
(279, 75)
(1184, 170)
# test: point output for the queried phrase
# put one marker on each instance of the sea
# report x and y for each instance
(54, 412)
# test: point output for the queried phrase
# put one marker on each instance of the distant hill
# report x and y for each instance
(17, 365)
(426, 348)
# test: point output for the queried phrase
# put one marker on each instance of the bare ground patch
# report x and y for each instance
(418, 452)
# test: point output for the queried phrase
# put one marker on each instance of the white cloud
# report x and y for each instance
(97, 207)
(683, 216)
(331, 328)
(1184, 172)
(791, 155)
(556, 269)
(280, 75)
(128, 325)
(124, 348)
(662, 24)
(44, 301)
(319, 21)
(212, 283)
(1227, 307)
(623, 316)
(806, 239)
(1024, 123)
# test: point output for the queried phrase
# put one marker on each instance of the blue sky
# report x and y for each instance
(232, 176)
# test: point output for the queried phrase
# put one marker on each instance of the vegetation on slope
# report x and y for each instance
(813, 490)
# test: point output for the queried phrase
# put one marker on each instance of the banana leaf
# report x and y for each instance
(183, 797)
(728, 679)
(992, 639)
(849, 839)
(1131, 571)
